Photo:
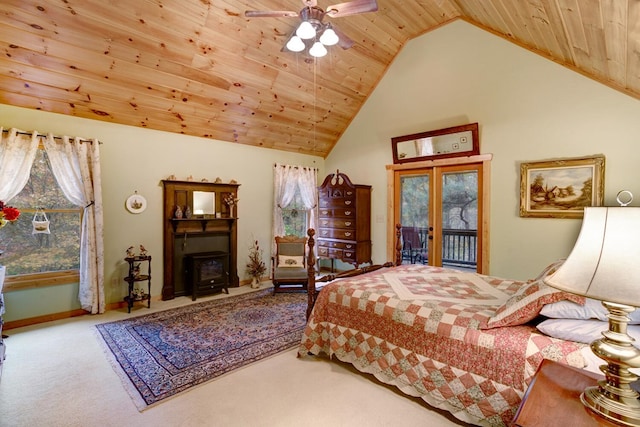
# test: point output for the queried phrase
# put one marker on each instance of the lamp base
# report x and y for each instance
(613, 398)
(620, 412)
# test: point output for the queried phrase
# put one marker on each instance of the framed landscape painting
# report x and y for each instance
(561, 188)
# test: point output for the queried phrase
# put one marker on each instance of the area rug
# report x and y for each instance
(168, 352)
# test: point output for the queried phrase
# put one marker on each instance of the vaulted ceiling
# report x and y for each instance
(200, 67)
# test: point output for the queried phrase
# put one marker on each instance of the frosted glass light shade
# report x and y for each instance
(318, 50)
(295, 44)
(306, 31)
(329, 37)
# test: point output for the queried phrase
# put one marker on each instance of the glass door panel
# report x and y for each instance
(415, 190)
(439, 210)
(458, 217)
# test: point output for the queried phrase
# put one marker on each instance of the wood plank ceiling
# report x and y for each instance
(199, 67)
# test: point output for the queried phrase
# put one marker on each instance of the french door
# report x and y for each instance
(440, 209)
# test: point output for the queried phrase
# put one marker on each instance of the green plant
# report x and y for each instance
(255, 266)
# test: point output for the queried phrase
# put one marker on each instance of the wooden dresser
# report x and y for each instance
(344, 220)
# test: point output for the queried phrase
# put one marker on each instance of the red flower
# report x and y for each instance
(7, 214)
(10, 213)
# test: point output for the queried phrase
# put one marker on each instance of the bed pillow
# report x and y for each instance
(290, 261)
(584, 331)
(526, 304)
(550, 269)
(592, 309)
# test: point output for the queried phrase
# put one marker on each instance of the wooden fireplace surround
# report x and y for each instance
(200, 232)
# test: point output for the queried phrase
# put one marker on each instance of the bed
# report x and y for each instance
(463, 342)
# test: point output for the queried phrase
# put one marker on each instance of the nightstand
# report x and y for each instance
(553, 398)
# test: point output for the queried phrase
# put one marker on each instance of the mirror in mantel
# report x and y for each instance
(204, 203)
(436, 144)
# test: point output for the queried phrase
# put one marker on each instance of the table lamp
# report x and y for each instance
(605, 265)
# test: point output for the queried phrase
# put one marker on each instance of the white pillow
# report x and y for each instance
(584, 331)
(290, 261)
(592, 309)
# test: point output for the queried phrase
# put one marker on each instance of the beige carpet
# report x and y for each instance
(55, 374)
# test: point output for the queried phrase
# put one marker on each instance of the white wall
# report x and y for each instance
(137, 159)
(528, 109)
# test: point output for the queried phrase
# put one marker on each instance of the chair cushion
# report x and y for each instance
(287, 261)
(288, 273)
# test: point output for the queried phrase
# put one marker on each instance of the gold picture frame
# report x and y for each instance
(561, 188)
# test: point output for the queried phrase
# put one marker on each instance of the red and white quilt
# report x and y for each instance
(423, 329)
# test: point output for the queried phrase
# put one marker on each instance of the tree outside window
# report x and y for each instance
(295, 217)
(26, 252)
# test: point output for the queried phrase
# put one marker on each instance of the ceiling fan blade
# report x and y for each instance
(269, 13)
(344, 41)
(352, 8)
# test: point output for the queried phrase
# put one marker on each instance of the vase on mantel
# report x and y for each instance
(255, 282)
(178, 212)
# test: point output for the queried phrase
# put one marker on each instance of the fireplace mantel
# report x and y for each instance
(198, 233)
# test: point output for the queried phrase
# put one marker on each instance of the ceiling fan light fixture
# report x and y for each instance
(295, 44)
(318, 50)
(306, 30)
(329, 37)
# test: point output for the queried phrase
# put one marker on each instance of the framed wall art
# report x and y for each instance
(455, 141)
(561, 188)
(136, 203)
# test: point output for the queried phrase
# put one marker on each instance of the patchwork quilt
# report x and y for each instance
(428, 331)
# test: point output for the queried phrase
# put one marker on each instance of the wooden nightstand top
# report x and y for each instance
(553, 398)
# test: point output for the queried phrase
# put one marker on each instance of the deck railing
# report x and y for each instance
(459, 247)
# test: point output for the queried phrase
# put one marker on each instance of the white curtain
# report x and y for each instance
(76, 167)
(17, 153)
(286, 180)
(308, 185)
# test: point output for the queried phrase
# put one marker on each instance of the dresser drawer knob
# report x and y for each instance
(325, 222)
(347, 202)
(348, 234)
(347, 213)
(348, 223)
(325, 232)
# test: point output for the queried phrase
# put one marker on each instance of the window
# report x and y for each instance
(27, 254)
(295, 217)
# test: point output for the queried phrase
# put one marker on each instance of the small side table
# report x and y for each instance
(134, 277)
(553, 398)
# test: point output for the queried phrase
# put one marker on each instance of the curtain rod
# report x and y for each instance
(44, 136)
(275, 165)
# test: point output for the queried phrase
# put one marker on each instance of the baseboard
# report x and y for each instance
(13, 324)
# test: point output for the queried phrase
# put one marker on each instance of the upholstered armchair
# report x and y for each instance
(288, 265)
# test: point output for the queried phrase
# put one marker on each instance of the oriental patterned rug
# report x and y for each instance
(162, 354)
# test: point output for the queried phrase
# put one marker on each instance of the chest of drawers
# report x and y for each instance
(344, 220)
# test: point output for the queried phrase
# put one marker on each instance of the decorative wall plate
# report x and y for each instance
(136, 203)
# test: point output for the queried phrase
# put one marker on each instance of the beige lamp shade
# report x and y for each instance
(605, 262)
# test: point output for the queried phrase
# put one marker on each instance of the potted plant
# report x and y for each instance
(255, 266)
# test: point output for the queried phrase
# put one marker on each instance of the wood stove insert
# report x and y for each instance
(207, 273)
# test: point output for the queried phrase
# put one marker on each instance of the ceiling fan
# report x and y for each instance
(312, 33)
